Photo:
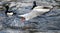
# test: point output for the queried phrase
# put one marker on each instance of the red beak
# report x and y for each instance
(22, 19)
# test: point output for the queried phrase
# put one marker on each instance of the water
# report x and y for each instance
(45, 22)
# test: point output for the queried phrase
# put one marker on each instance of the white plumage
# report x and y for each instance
(37, 11)
(10, 14)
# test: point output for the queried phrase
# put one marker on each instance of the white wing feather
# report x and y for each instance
(34, 13)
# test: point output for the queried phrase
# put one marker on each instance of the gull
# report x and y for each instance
(36, 11)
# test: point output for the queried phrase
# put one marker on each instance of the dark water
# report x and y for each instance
(46, 22)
